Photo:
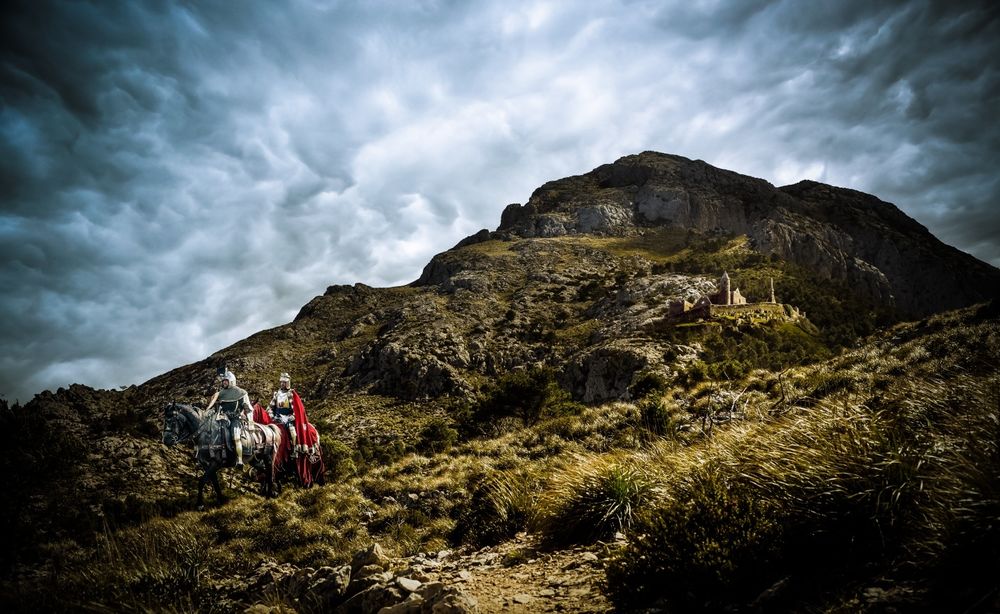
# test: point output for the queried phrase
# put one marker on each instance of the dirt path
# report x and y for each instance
(519, 576)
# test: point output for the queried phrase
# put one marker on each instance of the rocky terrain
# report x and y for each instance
(517, 576)
(837, 234)
(471, 419)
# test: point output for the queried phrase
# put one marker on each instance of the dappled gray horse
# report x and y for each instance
(188, 424)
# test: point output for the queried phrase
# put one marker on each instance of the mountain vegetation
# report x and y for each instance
(529, 408)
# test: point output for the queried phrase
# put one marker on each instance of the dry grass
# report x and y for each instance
(882, 462)
(858, 471)
(593, 497)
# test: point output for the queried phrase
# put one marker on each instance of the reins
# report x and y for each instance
(201, 427)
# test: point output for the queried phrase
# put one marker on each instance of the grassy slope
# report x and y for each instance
(842, 475)
(597, 465)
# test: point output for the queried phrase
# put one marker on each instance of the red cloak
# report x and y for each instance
(304, 435)
(260, 414)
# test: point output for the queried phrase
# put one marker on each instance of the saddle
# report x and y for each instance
(259, 438)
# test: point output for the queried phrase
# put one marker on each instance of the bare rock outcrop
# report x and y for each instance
(870, 246)
(606, 371)
(366, 586)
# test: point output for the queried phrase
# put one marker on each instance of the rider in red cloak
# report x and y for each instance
(286, 408)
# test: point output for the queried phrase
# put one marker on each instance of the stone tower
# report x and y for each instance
(772, 291)
(724, 290)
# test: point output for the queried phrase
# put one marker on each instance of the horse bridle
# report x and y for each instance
(173, 430)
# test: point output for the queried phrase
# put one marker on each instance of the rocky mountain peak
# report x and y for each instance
(842, 235)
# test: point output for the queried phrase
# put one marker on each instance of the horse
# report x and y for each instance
(306, 469)
(261, 443)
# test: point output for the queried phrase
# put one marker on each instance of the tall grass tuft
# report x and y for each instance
(658, 418)
(500, 506)
(142, 569)
(593, 498)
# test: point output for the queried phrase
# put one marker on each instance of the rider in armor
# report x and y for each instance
(281, 411)
(234, 407)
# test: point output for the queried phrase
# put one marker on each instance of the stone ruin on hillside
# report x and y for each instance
(729, 301)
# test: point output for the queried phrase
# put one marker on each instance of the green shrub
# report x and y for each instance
(339, 459)
(711, 546)
(592, 500)
(437, 436)
(525, 396)
(648, 383)
(379, 449)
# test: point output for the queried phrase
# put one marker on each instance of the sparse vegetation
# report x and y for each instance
(863, 478)
(525, 396)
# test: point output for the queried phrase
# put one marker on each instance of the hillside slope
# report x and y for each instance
(522, 355)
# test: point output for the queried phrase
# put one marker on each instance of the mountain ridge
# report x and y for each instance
(582, 226)
(662, 189)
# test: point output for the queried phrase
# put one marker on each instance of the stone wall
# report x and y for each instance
(750, 308)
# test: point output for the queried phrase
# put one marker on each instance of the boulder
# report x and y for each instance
(373, 555)
(408, 584)
(372, 599)
(328, 585)
(413, 604)
(454, 601)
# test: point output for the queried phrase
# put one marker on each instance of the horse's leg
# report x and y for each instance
(269, 470)
(263, 477)
(319, 477)
(268, 479)
(201, 490)
(273, 475)
(218, 487)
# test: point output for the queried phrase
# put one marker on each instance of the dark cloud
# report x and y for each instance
(177, 175)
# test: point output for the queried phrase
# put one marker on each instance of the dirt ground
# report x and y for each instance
(522, 576)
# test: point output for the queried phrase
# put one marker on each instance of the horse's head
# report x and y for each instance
(173, 424)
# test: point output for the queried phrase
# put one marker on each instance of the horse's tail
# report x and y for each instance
(276, 451)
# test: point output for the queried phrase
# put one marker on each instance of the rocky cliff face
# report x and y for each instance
(838, 234)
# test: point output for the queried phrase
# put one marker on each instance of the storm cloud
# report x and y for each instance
(175, 176)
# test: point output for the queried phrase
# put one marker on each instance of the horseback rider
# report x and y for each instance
(281, 409)
(234, 407)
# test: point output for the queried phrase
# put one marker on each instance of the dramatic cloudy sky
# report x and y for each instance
(177, 175)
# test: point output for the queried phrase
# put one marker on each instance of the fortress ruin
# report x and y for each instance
(728, 301)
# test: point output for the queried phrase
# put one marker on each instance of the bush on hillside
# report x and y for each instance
(339, 460)
(378, 449)
(524, 396)
(593, 499)
(648, 383)
(731, 352)
(437, 436)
